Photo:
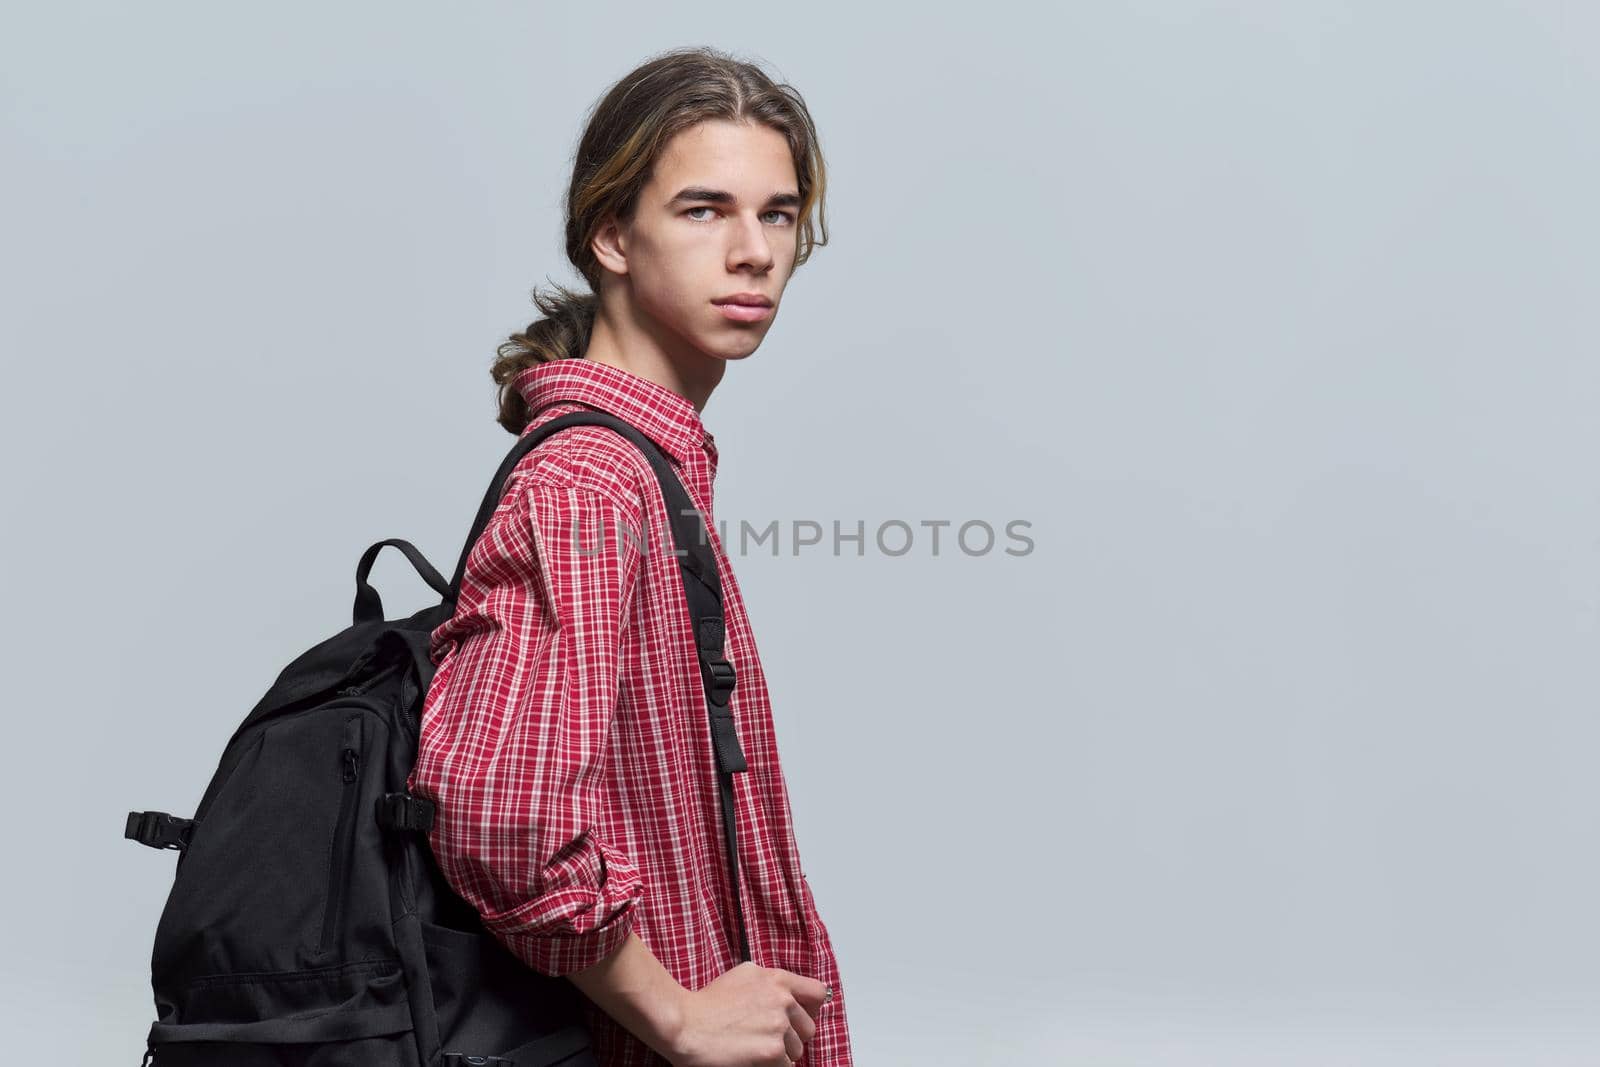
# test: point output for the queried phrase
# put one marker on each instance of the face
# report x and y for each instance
(718, 218)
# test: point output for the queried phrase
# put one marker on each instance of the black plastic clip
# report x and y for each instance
(718, 677)
(461, 1059)
(159, 830)
(402, 811)
(716, 673)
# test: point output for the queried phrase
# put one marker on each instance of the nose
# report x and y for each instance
(750, 247)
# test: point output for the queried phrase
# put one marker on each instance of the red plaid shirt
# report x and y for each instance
(565, 738)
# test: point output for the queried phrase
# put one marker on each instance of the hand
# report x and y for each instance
(750, 1016)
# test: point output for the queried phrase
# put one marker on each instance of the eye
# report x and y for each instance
(783, 217)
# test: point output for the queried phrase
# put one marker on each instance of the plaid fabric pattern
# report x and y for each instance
(565, 739)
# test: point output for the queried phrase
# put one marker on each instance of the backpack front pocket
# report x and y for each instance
(277, 945)
(287, 869)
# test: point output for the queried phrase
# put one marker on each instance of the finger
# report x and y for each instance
(810, 992)
(793, 1045)
(800, 1020)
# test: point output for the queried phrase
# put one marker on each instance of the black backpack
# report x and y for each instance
(309, 923)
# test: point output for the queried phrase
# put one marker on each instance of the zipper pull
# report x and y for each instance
(349, 764)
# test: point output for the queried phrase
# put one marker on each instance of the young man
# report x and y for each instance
(565, 739)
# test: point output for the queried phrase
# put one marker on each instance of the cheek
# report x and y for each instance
(670, 281)
(666, 294)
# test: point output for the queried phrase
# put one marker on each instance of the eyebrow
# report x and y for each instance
(718, 196)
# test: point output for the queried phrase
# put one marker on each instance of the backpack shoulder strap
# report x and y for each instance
(701, 585)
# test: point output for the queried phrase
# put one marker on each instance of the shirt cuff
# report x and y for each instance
(578, 921)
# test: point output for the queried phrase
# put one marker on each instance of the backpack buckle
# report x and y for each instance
(402, 811)
(461, 1059)
(718, 677)
(716, 673)
(159, 830)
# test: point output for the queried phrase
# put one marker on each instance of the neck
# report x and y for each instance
(625, 341)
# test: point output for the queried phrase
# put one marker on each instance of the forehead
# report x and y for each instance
(726, 155)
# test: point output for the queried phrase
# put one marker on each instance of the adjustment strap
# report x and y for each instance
(715, 671)
(551, 1048)
(402, 811)
(718, 677)
(159, 830)
(725, 739)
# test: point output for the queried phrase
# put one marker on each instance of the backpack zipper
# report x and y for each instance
(349, 766)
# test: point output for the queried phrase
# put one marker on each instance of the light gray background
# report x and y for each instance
(1277, 322)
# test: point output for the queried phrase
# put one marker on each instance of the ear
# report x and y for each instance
(610, 246)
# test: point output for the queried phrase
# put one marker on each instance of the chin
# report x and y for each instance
(726, 352)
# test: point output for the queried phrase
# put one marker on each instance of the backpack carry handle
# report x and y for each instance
(369, 606)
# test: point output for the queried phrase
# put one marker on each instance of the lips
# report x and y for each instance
(744, 312)
(744, 300)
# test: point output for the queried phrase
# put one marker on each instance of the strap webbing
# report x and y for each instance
(551, 1048)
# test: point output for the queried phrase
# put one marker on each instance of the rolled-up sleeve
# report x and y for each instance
(517, 726)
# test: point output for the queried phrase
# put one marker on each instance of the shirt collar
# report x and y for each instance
(668, 419)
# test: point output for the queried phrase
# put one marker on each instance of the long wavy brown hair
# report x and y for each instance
(627, 130)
